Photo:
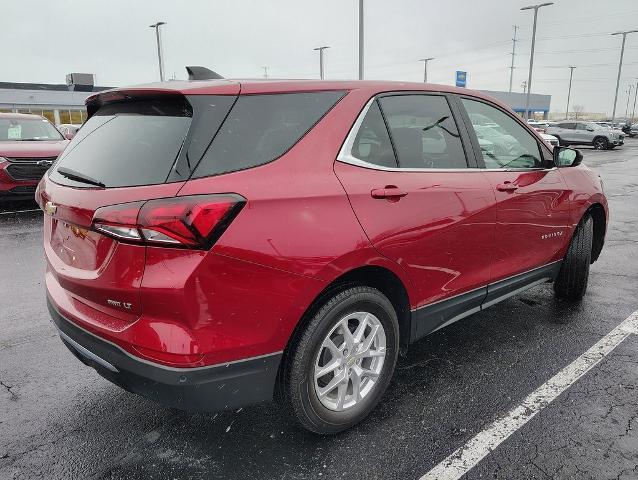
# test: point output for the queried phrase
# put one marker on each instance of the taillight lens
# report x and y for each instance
(195, 221)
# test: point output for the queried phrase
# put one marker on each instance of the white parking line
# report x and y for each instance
(20, 211)
(466, 457)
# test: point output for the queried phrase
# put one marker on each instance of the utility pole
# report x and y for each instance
(320, 49)
(265, 71)
(569, 91)
(360, 39)
(531, 58)
(633, 113)
(159, 48)
(425, 68)
(524, 85)
(628, 97)
(622, 52)
(513, 54)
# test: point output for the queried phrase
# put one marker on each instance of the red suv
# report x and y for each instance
(29, 144)
(212, 244)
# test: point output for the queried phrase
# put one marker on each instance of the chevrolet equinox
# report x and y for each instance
(212, 244)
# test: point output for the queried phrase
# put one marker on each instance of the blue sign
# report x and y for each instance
(461, 78)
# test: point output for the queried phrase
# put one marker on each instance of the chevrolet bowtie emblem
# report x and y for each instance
(50, 208)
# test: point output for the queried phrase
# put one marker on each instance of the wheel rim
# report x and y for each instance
(349, 361)
(599, 144)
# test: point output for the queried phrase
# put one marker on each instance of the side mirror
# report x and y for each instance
(567, 157)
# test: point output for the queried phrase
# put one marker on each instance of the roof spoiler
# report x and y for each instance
(202, 73)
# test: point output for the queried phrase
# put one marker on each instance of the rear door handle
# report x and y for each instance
(506, 187)
(390, 192)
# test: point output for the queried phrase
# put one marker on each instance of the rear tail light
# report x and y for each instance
(195, 221)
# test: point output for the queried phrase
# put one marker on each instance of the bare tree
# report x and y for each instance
(578, 109)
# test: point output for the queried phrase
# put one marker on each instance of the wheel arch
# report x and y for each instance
(375, 276)
(598, 215)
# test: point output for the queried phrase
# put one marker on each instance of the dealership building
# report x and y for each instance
(60, 103)
(538, 104)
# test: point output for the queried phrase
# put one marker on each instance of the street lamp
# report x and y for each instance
(159, 48)
(622, 52)
(569, 91)
(633, 113)
(320, 49)
(360, 39)
(628, 98)
(531, 58)
(425, 68)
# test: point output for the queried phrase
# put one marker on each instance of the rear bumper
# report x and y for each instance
(202, 389)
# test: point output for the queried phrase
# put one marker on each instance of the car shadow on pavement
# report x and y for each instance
(17, 205)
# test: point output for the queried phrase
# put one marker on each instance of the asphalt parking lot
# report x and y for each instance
(59, 419)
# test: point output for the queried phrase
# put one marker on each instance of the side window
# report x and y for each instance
(372, 143)
(581, 126)
(423, 131)
(569, 125)
(261, 128)
(504, 142)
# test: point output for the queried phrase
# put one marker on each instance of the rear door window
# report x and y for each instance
(127, 143)
(423, 131)
(261, 128)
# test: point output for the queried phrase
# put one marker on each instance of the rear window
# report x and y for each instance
(261, 128)
(127, 143)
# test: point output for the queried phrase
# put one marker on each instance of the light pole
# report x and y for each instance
(265, 67)
(160, 59)
(569, 91)
(320, 49)
(425, 68)
(360, 39)
(513, 54)
(622, 52)
(633, 112)
(531, 58)
(628, 97)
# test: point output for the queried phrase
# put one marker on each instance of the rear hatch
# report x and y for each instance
(135, 146)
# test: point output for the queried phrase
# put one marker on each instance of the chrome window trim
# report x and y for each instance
(345, 154)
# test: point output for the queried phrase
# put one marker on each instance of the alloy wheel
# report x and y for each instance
(349, 361)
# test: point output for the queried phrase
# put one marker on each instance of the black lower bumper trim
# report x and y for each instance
(203, 389)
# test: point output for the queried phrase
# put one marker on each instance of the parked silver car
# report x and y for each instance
(586, 133)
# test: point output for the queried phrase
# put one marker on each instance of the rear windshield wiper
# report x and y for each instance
(79, 177)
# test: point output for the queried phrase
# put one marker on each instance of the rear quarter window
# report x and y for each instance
(261, 128)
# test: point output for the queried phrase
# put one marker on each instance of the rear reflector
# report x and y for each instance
(195, 221)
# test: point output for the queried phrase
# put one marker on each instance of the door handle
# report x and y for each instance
(389, 192)
(506, 187)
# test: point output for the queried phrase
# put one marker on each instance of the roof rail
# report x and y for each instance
(201, 73)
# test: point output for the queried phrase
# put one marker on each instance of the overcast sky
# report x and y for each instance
(44, 40)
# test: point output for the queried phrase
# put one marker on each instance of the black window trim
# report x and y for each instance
(544, 152)
(345, 153)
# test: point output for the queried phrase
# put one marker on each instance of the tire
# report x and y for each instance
(571, 282)
(600, 143)
(308, 353)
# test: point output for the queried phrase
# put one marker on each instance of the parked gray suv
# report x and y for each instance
(586, 133)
